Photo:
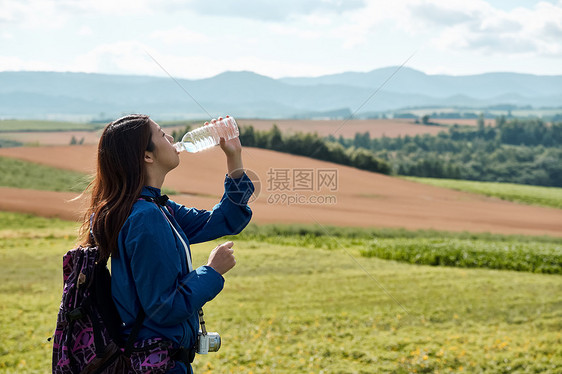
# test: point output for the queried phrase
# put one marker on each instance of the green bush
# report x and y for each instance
(423, 247)
(531, 257)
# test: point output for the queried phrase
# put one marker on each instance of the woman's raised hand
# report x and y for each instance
(230, 147)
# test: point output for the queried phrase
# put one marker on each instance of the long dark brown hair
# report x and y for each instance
(119, 179)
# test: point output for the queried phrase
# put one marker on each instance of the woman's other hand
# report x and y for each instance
(222, 258)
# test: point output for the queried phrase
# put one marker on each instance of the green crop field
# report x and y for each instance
(11, 125)
(528, 256)
(534, 195)
(313, 307)
(29, 175)
(9, 143)
(541, 254)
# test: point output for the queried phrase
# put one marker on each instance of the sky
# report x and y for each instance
(284, 38)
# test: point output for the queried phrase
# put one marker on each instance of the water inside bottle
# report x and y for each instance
(208, 136)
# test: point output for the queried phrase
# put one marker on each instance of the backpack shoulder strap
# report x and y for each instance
(108, 311)
(134, 332)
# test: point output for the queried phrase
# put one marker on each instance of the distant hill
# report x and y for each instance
(245, 94)
(482, 86)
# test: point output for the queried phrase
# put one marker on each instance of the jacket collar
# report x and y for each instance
(153, 194)
(150, 191)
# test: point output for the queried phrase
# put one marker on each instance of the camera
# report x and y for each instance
(208, 342)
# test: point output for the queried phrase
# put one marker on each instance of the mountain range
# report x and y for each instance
(86, 96)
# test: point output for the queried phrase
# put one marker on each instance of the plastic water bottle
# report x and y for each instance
(208, 136)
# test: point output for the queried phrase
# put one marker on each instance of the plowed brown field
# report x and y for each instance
(462, 121)
(362, 198)
(377, 128)
(52, 137)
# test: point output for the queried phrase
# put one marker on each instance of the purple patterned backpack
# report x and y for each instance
(88, 332)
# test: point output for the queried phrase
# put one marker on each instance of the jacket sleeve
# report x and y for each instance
(167, 296)
(228, 217)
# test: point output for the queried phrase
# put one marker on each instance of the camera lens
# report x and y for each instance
(214, 341)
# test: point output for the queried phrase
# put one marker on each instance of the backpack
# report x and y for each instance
(88, 339)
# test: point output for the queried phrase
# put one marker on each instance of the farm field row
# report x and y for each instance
(352, 198)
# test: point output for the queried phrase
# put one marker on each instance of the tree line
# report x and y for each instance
(314, 146)
(524, 151)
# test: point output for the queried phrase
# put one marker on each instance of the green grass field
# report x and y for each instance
(289, 308)
(533, 195)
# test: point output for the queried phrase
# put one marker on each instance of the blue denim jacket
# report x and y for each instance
(152, 269)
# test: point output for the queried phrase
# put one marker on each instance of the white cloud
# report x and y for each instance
(131, 58)
(452, 12)
(28, 14)
(297, 32)
(359, 26)
(552, 31)
(475, 26)
(11, 11)
(79, 7)
(126, 57)
(293, 37)
(179, 35)
(55, 13)
(85, 31)
(12, 63)
(493, 31)
(272, 10)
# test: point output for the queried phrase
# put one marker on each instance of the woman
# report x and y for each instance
(148, 260)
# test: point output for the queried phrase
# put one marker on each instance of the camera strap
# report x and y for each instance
(202, 322)
(187, 253)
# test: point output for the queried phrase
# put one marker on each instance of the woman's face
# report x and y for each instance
(165, 155)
